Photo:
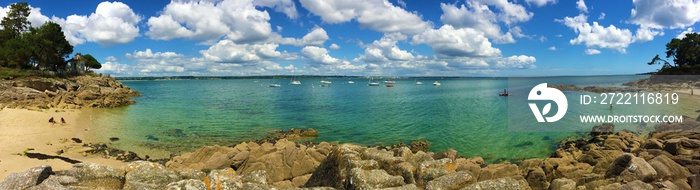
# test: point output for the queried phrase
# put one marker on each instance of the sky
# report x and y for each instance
(369, 37)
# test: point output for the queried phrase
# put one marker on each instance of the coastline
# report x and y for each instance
(22, 129)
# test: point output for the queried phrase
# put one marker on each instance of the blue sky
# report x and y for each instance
(370, 37)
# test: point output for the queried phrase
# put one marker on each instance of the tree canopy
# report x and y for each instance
(685, 54)
(40, 48)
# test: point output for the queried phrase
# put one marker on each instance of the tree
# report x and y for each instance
(15, 22)
(685, 53)
(51, 47)
(91, 62)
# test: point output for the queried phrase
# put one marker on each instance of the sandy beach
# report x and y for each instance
(23, 129)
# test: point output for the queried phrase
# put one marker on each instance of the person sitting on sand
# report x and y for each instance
(51, 120)
(63, 120)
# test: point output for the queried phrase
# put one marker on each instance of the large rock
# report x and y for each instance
(206, 158)
(501, 184)
(563, 184)
(91, 175)
(26, 179)
(451, 181)
(70, 93)
(188, 184)
(148, 175)
(630, 168)
(502, 170)
(373, 179)
(668, 169)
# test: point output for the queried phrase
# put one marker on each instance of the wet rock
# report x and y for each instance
(91, 175)
(451, 181)
(420, 146)
(563, 184)
(449, 153)
(188, 184)
(26, 179)
(603, 129)
(501, 184)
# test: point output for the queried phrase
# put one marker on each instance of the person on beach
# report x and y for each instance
(52, 120)
(63, 120)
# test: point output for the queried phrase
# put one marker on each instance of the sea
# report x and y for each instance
(464, 114)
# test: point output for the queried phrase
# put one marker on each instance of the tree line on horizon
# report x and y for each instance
(44, 48)
(684, 54)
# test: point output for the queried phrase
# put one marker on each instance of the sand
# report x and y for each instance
(21, 129)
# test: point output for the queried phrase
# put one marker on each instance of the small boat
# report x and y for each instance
(372, 83)
(418, 83)
(436, 83)
(274, 85)
(390, 85)
(325, 82)
(351, 82)
(504, 93)
(294, 82)
(389, 82)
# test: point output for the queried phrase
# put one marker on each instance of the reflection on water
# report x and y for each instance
(463, 114)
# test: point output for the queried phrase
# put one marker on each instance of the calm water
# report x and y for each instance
(463, 114)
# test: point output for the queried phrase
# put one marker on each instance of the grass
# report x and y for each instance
(7, 73)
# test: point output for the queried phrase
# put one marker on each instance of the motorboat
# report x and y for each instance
(274, 85)
(436, 83)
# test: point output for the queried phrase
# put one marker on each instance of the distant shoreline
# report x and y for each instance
(348, 77)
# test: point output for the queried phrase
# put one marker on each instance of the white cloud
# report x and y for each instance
(237, 20)
(682, 34)
(287, 7)
(540, 3)
(592, 51)
(665, 14)
(385, 49)
(323, 62)
(581, 6)
(602, 16)
(559, 35)
(449, 41)
(148, 54)
(317, 36)
(227, 51)
(477, 16)
(113, 67)
(596, 35)
(552, 48)
(378, 15)
(517, 62)
(334, 46)
(644, 34)
(110, 58)
(510, 13)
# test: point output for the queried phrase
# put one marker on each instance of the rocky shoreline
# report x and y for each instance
(668, 158)
(65, 93)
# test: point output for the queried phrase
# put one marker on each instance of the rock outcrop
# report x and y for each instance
(602, 160)
(70, 93)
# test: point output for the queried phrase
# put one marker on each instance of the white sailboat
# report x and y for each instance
(294, 82)
(436, 83)
(372, 83)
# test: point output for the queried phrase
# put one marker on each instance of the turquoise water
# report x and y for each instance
(175, 116)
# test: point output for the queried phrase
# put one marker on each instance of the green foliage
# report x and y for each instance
(15, 22)
(685, 53)
(91, 62)
(51, 47)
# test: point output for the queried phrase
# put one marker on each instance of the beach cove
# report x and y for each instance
(85, 124)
